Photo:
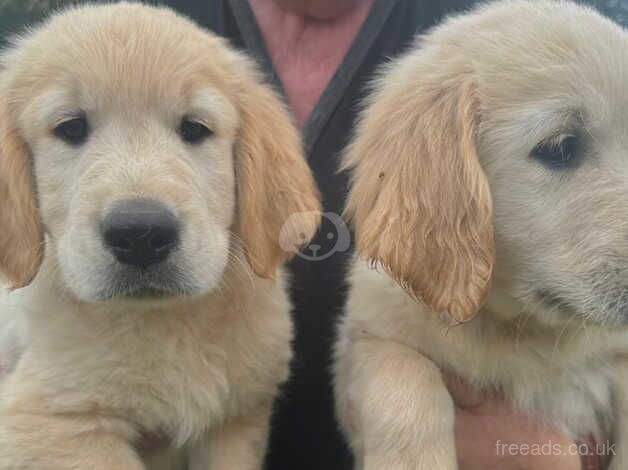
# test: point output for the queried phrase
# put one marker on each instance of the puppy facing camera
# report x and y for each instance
(137, 155)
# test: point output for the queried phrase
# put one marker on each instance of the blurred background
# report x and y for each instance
(14, 14)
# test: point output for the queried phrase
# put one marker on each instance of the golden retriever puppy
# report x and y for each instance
(494, 152)
(145, 177)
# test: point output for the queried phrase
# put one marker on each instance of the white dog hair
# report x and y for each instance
(131, 106)
(490, 176)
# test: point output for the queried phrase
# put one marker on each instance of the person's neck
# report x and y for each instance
(318, 9)
(305, 50)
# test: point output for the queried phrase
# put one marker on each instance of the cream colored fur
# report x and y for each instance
(447, 195)
(91, 371)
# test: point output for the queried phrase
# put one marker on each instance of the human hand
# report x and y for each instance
(491, 435)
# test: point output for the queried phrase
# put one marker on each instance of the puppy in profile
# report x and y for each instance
(490, 177)
(146, 174)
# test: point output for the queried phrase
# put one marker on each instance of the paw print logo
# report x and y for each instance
(333, 237)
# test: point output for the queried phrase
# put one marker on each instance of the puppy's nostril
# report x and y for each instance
(160, 242)
(162, 238)
(120, 243)
(140, 232)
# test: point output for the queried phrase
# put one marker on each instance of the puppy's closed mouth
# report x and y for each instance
(552, 300)
(151, 285)
(147, 293)
(140, 292)
(611, 308)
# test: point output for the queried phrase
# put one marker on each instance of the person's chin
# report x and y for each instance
(319, 10)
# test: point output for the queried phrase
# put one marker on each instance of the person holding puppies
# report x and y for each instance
(322, 54)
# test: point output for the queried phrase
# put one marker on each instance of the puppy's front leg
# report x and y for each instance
(394, 407)
(239, 444)
(35, 441)
(620, 459)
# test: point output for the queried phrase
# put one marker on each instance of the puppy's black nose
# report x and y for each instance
(140, 232)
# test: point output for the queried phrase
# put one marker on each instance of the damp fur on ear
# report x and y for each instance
(419, 200)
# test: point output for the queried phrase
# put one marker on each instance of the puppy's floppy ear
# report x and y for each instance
(21, 234)
(276, 190)
(419, 200)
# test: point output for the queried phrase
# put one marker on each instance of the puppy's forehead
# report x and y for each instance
(553, 58)
(125, 52)
(526, 50)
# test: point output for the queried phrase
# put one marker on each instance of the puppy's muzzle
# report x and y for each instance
(140, 232)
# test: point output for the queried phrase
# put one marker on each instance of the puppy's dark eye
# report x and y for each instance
(73, 131)
(559, 151)
(193, 132)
